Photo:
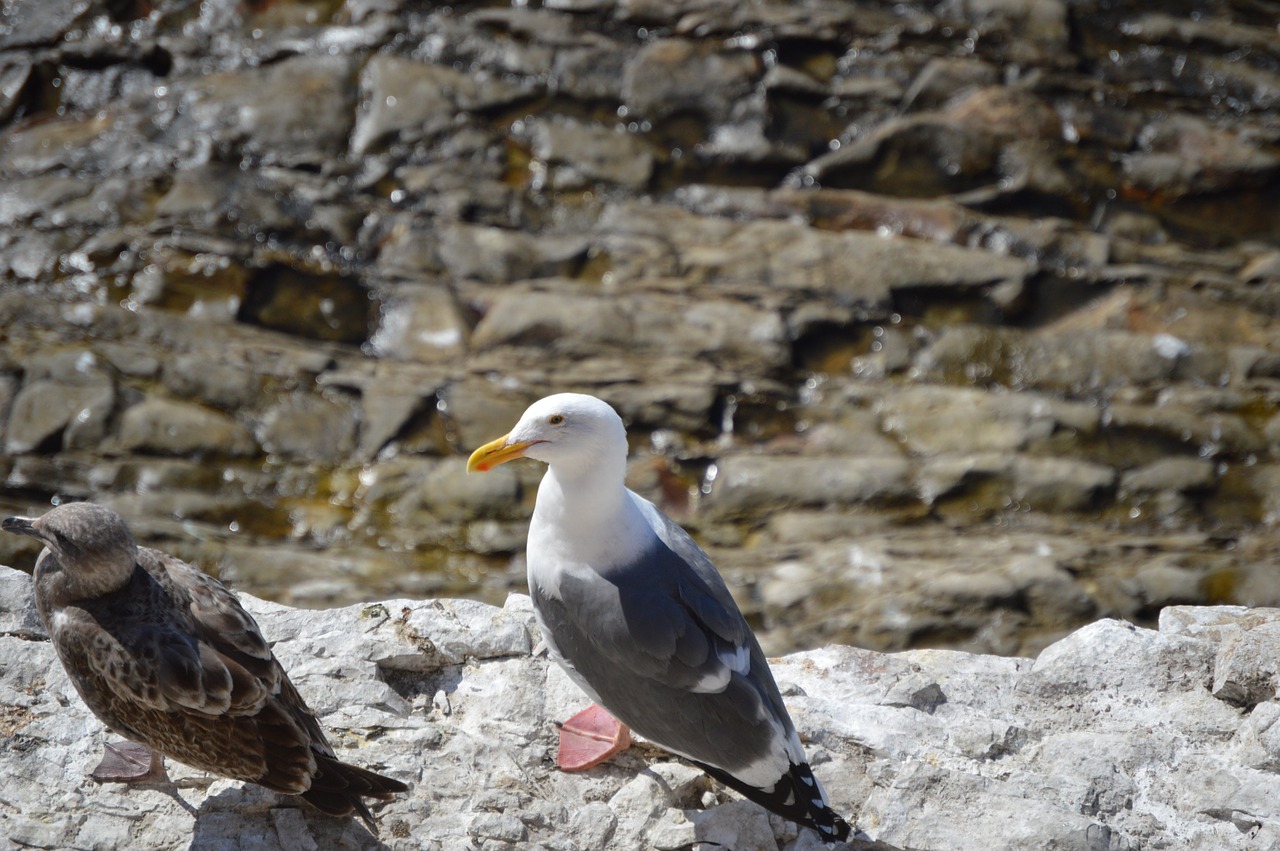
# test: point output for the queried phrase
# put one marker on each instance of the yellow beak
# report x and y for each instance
(497, 452)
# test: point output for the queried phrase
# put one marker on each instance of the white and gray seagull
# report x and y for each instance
(637, 615)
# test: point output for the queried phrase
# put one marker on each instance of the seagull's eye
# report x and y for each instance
(555, 419)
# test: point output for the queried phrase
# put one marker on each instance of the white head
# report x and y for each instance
(570, 432)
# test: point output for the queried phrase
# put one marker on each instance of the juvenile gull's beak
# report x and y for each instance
(497, 452)
(19, 526)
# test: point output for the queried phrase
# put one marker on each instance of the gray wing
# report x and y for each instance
(662, 645)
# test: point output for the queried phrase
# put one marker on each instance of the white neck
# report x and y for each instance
(586, 516)
(581, 498)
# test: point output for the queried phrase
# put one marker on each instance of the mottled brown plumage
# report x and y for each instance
(167, 657)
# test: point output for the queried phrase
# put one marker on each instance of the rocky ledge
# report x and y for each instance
(1116, 737)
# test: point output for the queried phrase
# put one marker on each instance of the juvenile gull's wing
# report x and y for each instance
(281, 729)
(173, 662)
(218, 660)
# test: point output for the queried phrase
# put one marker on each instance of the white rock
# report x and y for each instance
(1111, 739)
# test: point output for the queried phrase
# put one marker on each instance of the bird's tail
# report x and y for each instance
(339, 788)
(796, 796)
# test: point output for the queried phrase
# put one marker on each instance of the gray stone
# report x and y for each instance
(1060, 484)
(1075, 362)
(388, 410)
(500, 255)
(1185, 154)
(747, 483)
(1246, 671)
(13, 79)
(33, 23)
(482, 409)
(448, 493)
(589, 73)
(421, 323)
(846, 266)
(1043, 21)
(74, 141)
(738, 334)
(411, 100)
(18, 615)
(310, 428)
(130, 359)
(1210, 434)
(675, 75)
(270, 112)
(945, 476)
(30, 197)
(577, 154)
(226, 385)
(1170, 474)
(1157, 585)
(1271, 431)
(911, 816)
(501, 826)
(164, 427)
(930, 420)
(944, 77)
(42, 410)
(8, 389)
(851, 431)
(553, 320)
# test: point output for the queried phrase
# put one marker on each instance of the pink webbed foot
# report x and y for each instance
(589, 738)
(129, 762)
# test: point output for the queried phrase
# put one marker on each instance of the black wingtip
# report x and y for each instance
(829, 824)
(796, 796)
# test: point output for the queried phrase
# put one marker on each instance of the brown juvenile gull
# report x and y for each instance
(636, 614)
(167, 657)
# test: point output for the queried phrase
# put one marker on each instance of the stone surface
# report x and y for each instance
(1115, 737)
(750, 482)
(180, 428)
(269, 112)
(582, 153)
(410, 100)
(315, 429)
(44, 411)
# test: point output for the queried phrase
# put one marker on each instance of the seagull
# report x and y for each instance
(636, 614)
(166, 656)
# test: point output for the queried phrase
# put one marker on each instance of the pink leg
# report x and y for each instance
(129, 762)
(589, 738)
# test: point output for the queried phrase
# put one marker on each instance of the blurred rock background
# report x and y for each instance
(950, 324)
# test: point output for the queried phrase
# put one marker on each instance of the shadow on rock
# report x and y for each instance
(247, 816)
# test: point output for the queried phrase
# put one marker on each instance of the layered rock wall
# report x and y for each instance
(943, 324)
